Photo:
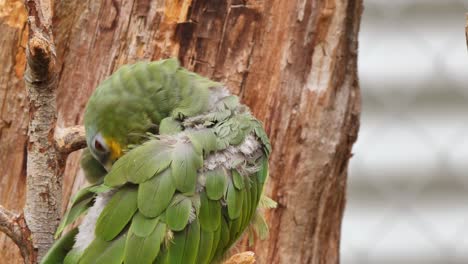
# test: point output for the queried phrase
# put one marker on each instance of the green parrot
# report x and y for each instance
(177, 167)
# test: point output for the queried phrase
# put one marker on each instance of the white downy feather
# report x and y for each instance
(86, 230)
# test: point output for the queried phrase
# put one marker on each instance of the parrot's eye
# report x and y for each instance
(100, 145)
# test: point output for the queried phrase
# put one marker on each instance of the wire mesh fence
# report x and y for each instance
(408, 180)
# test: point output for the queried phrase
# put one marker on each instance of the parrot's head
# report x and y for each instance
(114, 118)
(106, 149)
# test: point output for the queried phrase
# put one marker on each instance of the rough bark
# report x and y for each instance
(45, 164)
(293, 62)
(14, 226)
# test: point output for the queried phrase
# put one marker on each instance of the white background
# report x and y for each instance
(408, 180)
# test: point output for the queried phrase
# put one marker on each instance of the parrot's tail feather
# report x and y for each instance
(60, 248)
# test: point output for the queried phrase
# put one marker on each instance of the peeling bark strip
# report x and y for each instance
(44, 163)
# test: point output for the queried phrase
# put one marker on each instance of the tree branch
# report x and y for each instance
(45, 164)
(14, 226)
(70, 139)
(33, 233)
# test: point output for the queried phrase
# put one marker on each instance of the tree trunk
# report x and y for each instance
(293, 62)
(13, 116)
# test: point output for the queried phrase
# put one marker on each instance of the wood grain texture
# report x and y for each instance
(293, 62)
(13, 115)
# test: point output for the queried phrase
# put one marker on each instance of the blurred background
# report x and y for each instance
(408, 180)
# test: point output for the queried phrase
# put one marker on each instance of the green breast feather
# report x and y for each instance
(185, 192)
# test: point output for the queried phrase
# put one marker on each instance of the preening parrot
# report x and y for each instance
(177, 167)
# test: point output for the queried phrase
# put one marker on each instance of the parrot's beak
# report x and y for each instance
(108, 164)
(111, 159)
(114, 155)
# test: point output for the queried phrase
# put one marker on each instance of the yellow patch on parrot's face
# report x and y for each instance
(115, 149)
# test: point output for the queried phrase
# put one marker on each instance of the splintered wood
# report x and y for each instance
(242, 258)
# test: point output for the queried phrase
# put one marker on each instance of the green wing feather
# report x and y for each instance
(89, 191)
(210, 213)
(262, 174)
(144, 249)
(234, 199)
(178, 213)
(238, 180)
(216, 183)
(254, 189)
(101, 251)
(234, 228)
(205, 247)
(142, 226)
(224, 239)
(117, 213)
(60, 249)
(73, 257)
(246, 206)
(185, 163)
(216, 240)
(140, 164)
(204, 141)
(71, 215)
(156, 194)
(185, 245)
(80, 203)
